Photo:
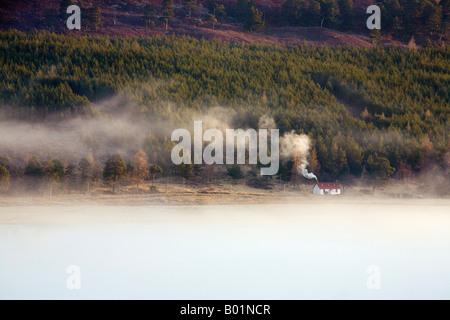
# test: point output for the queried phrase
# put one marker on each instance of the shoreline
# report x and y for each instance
(224, 194)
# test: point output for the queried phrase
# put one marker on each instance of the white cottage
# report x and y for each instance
(327, 188)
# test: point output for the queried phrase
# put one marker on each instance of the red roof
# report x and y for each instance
(328, 185)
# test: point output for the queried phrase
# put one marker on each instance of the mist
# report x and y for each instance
(319, 249)
(118, 126)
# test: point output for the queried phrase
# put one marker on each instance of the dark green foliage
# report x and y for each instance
(346, 14)
(54, 170)
(217, 10)
(378, 169)
(191, 6)
(93, 17)
(167, 8)
(292, 11)
(220, 12)
(249, 15)
(353, 102)
(242, 9)
(51, 17)
(375, 36)
(63, 5)
(431, 17)
(4, 179)
(85, 172)
(167, 11)
(406, 18)
(149, 15)
(400, 18)
(445, 17)
(115, 169)
(185, 170)
(155, 170)
(254, 20)
(34, 169)
(210, 18)
(328, 13)
(197, 170)
(313, 13)
(235, 172)
(70, 177)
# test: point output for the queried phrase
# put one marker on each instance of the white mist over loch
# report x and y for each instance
(311, 249)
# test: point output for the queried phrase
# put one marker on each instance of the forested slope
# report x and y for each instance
(356, 104)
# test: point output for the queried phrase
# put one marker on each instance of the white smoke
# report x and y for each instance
(297, 147)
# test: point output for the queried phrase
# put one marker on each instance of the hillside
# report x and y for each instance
(73, 101)
(371, 113)
(125, 18)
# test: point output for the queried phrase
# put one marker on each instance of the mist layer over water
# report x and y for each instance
(227, 252)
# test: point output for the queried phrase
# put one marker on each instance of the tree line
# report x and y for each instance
(82, 176)
(401, 19)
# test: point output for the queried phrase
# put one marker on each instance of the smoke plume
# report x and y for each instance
(297, 147)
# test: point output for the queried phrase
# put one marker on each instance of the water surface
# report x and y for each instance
(292, 251)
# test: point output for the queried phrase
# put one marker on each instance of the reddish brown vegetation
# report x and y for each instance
(26, 15)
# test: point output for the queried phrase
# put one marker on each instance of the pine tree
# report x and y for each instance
(70, 177)
(254, 21)
(445, 18)
(242, 9)
(34, 169)
(292, 11)
(375, 36)
(35, 172)
(51, 17)
(94, 17)
(54, 172)
(313, 13)
(431, 17)
(185, 170)
(212, 19)
(4, 179)
(149, 15)
(346, 14)
(167, 12)
(220, 12)
(328, 13)
(411, 16)
(379, 170)
(155, 169)
(235, 172)
(85, 169)
(114, 170)
(191, 6)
